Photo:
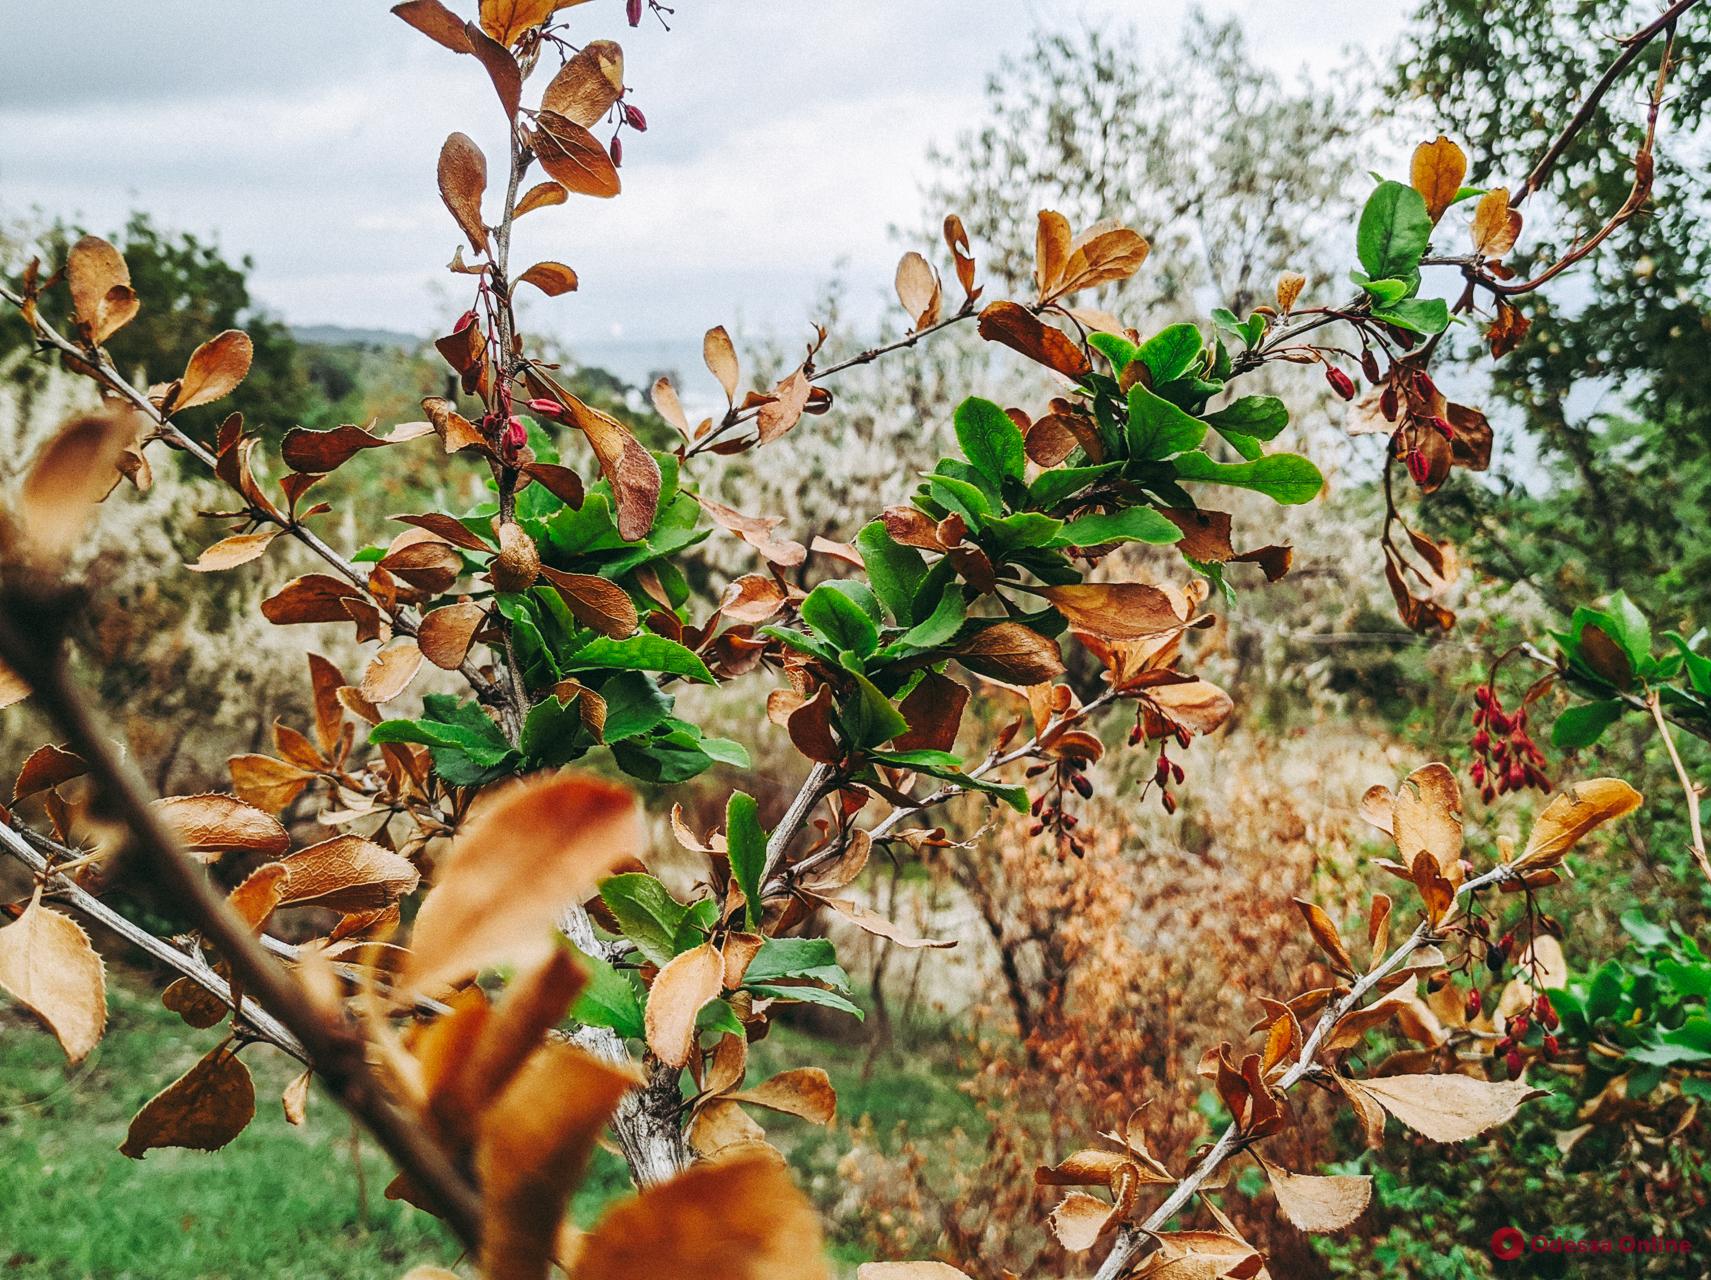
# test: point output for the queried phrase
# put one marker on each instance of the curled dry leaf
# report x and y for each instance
(1116, 610)
(48, 966)
(1080, 1219)
(587, 84)
(506, 20)
(102, 299)
(805, 1091)
(1289, 287)
(447, 632)
(260, 892)
(784, 410)
(1437, 172)
(199, 1007)
(1446, 1108)
(435, 21)
(551, 278)
(574, 157)
(1012, 652)
(47, 767)
(211, 824)
(919, 291)
(73, 472)
(1318, 1204)
(1019, 329)
(527, 850)
(501, 67)
(721, 359)
(1496, 226)
(678, 993)
(758, 532)
(204, 1109)
(1426, 816)
(463, 181)
(295, 1100)
(391, 671)
(738, 1218)
(229, 553)
(1325, 934)
(519, 561)
(215, 369)
(596, 602)
(876, 924)
(346, 873)
(1574, 813)
(628, 467)
(540, 196)
(267, 783)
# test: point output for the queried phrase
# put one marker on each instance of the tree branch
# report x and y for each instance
(1689, 789)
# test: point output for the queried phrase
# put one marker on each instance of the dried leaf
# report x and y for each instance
(1437, 174)
(1017, 328)
(507, 20)
(73, 471)
(463, 181)
(919, 291)
(1574, 813)
(102, 299)
(721, 359)
(295, 1100)
(255, 899)
(909, 1271)
(874, 923)
(47, 767)
(1494, 233)
(346, 873)
(48, 966)
(1426, 817)
(1325, 934)
(588, 84)
(540, 196)
(1116, 610)
(1012, 652)
(501, 68)
(435, 21)
(447, 632)
(267, 783)
(574, 157)
(1318, 1204)
(215, 369)
(1289, 287)
(679, 991)
(739, 1218)
(1448, 1108)
(391, 671)
(315, 597)
(527, 850)
(230, 552)
(596, 602)
(212, 824)
(1080, 1219)
(203, 1109)
(551, 278)
(805, 1091)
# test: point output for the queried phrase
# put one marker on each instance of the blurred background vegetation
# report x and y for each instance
(1077, 992)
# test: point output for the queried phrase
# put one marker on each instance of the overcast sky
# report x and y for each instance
(785, 136)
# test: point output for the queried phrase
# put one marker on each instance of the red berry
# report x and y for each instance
(617, 149)
(633, 11)
(1552, 1048)
(1340, 382)
(546, 408)
(1513, 1062)
(635, 119)
(1473, 1003)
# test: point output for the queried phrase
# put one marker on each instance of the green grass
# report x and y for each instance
(282, 1203)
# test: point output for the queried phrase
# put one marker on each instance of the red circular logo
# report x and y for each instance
(1508, 1243)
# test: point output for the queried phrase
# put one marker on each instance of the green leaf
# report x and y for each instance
(1052, 487)
(1157, 428)
(1137, 524)
(943, 623)
(1417, 315)
(844, 614)
(634, 705)
(1169, 353)
(649, 916)
(869, 718)
(726, 751)
(1631, 629)
(1583, 725)
(894, 570)
(612, 999)
(1015, 797)
(718, 1016)
(1258, 417)
(1115, 348)
(553, 732)
(675, 755)
(1604, 996)
(1284, 477)
(639, 653)
(811, 958)
(806, 995)
(961, 496)
(447, 723)
(1384, 292)
(1394, 231)
(745, 844)
(990, 440)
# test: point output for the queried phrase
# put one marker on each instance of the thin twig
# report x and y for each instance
(1689, 789)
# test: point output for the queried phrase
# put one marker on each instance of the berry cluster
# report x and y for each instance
(1068, 773)
(1166, 771)
(1505, 756)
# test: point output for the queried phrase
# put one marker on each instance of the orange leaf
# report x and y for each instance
(203, 1109)
(48, 966)
(679, 991)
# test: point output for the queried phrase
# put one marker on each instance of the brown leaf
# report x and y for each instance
(688, 982)
(267, 783)
(574, 157)
(628, 467)
(47, 767)
(12, 687)
(199, 1007)
(563, 483)
(876, 924)
(447, 632)
(463, 181)
(810, 727)
(540, 196)
(212, 824)
(1326, 935)
(934, 710)
(1427, 816)
(528, 849)
(587, 84)
(785, 409)
(534, 1143)
(1437, 174)
(752, 598)
(1318, 1204)
(551, 278)
(315, 597)
(102, 299)
(70, 474)
(758, 532)
(507, 20)
(805, 1091)
(215, 369)
(1572, 814)
(1080, 1219)
(669, 407)
(1116, 610)
(1448, 1108)
(1019, 329)
(738, 1218)
(435, 21)
(1289, 287)
(1495, 228)
(1197, 705)
(391, 671)
(595, 601)
(501, 68)
(230, 552)
(203, 1109)
(1206, 537)
(1012, 652)
(295, 1100)
(455, 431)
(48, 966)
(346, 873)
(956, 239)
(255, 899)
(721, 360)
(919, 291)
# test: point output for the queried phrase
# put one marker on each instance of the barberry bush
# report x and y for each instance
(489, 974)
